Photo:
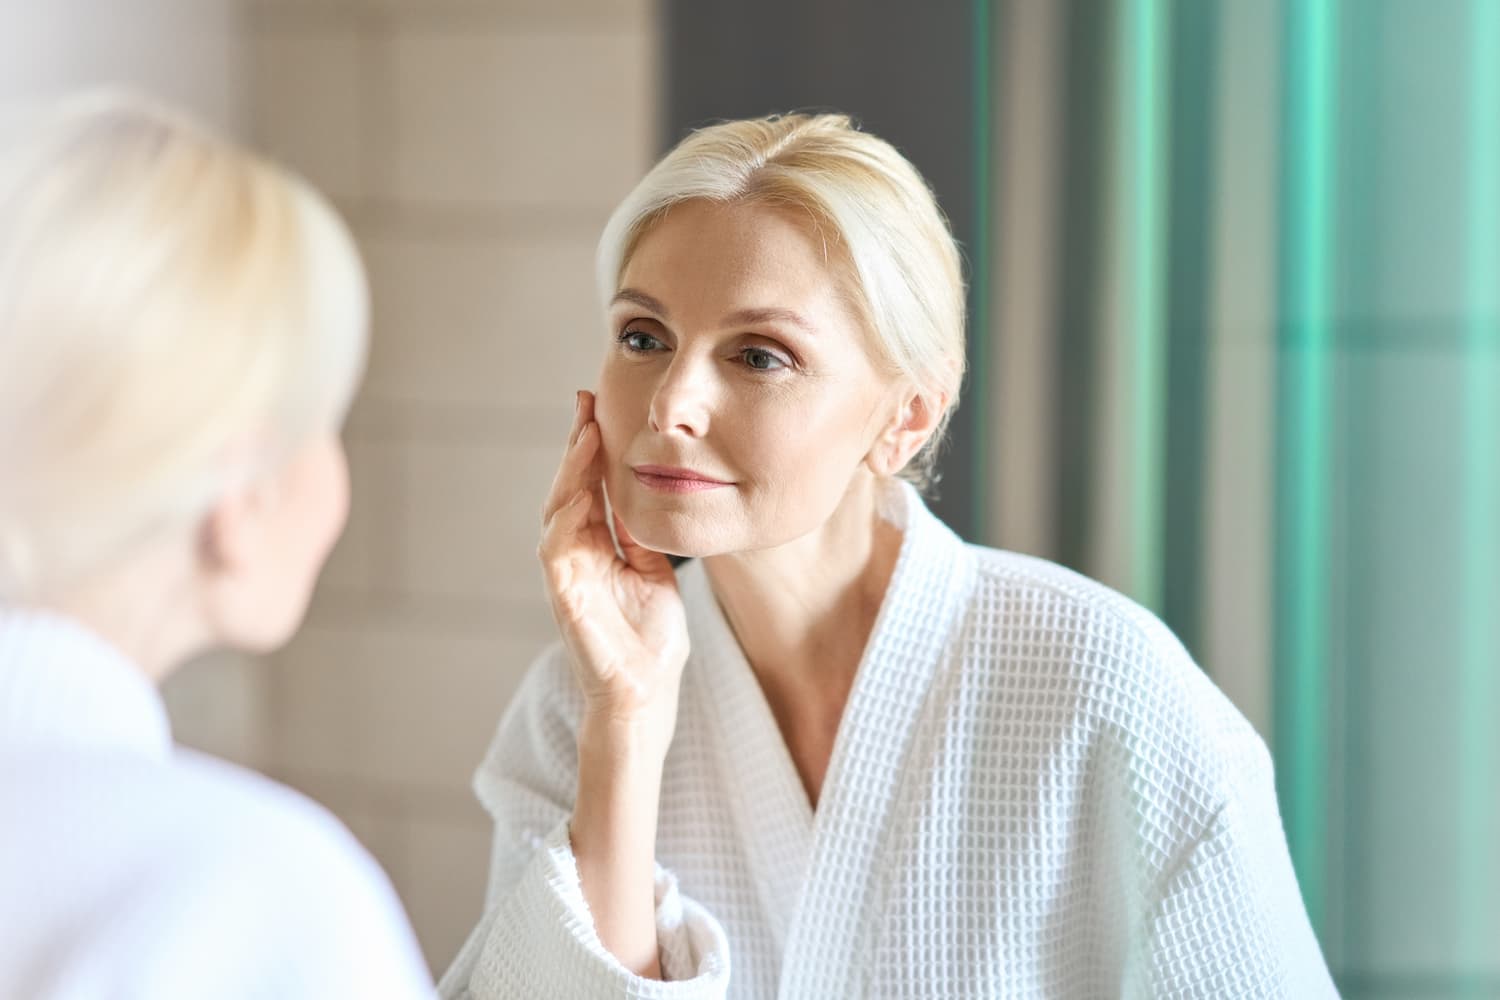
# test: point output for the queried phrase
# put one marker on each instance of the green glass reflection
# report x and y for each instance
(1476, 824)
(1302, 440)
(1143, 66)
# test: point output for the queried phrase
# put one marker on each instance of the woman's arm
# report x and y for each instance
(538, 936)
(613, 833)
(577, 905)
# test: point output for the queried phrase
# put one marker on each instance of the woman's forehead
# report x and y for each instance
(737, 257)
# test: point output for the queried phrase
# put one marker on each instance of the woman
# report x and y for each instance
(839, 752)
(181, 328)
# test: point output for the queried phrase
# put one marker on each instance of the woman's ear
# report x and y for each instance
(232, 532)
(236, 552)
(914, 424)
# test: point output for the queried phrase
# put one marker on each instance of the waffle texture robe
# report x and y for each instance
(1034, 793)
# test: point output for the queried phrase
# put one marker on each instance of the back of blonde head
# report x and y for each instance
(176, 315)
(885, 233)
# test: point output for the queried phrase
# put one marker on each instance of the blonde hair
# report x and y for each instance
(176, 316)
(901, 265)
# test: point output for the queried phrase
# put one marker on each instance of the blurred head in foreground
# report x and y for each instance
(182, 325)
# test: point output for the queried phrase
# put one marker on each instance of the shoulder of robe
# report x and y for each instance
(1114, 672)
(260, 891)
(262, 830)
(214, 861)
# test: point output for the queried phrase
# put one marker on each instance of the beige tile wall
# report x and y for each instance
(476, 148)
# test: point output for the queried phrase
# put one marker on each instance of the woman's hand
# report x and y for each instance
(620, 617)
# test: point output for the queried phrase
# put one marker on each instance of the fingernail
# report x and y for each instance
(577, 401)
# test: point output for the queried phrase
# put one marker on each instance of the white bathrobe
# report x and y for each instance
(1034, 793)
(131, 869)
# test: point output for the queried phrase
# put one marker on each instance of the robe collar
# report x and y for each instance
(63, 687)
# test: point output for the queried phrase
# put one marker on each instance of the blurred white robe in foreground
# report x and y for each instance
(133, 869)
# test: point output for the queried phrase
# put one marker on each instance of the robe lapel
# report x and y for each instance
(827, 950)
(765, 794)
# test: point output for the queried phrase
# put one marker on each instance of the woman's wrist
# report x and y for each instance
(618, 796)
(628, 743)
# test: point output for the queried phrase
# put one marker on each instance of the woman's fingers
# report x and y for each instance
(575, 471)
(564, 562)
(593, 473)
(577, 466)
(573, 549)
(562, 528)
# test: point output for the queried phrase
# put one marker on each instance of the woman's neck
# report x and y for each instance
(143, 608)
(803, 611)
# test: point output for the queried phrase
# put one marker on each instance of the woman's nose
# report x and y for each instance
(683, 398)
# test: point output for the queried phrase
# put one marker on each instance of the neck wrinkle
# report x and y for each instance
(803, 612)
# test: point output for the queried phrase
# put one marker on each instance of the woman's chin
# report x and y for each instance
(670, 544)
(665, 533)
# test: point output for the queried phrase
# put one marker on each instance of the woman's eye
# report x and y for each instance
(640, 342)
(762, 360)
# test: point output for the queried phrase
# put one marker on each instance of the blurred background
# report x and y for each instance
(1235, 350)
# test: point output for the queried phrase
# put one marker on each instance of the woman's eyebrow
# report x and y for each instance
(769, 315)
(742, 317)
(641, 299)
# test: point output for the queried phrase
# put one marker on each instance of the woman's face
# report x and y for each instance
(739, 396)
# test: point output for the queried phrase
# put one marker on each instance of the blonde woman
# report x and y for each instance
(839, 753)
(181, 327)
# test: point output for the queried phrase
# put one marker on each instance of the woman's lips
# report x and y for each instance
(664, 479)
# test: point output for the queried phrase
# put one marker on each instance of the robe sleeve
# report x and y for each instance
(1228, 920)
(537, 938)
